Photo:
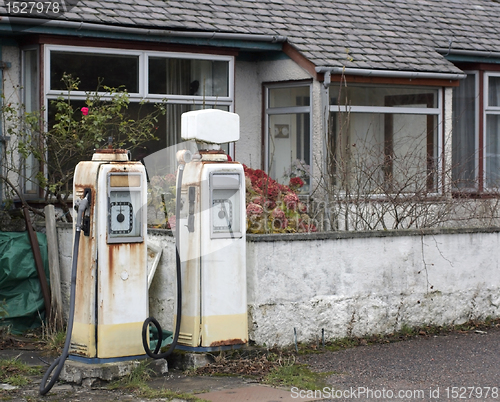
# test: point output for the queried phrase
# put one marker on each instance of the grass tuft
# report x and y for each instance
(17, 373)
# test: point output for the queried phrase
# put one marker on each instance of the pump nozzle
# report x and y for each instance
(82, 207)
(58, 364)
(184, 156)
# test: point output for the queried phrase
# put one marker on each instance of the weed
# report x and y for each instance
(296, 375)
(406, 330)
(54, 342)
(136, 382)
(16, 373)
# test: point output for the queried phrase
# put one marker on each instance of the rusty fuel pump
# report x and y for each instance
(211, 312)
(109, 263)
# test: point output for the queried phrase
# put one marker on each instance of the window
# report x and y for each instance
(492, 131)
(476, 133)
(31, 104)
(465, 133)
(288, 128)
(188, 82)
(385, 139)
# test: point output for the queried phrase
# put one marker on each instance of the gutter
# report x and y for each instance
(470, 53)
(390, 73)
(87, 26)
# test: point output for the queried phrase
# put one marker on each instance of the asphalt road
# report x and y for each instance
(460, 366)
(454, 367)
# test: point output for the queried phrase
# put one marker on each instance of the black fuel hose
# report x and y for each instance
(154, 321)
(58, 364)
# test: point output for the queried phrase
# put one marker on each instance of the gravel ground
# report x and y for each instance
(459, 366)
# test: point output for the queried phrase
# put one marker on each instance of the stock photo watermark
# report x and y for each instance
(367, 393)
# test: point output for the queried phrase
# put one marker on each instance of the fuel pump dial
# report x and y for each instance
(222, 214)
(122, 217)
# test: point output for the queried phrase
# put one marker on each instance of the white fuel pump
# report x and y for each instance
(112, 290)
(109, 295)
(212, 236)
(210, 231)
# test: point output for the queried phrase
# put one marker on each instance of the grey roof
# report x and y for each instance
(368, 34)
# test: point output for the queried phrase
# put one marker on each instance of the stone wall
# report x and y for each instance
(349, 283)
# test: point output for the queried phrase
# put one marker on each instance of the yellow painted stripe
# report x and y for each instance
(220, 330)
(117, 340)
(83, 336)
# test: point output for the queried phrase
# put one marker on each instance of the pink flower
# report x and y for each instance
(279, 219)
(85, 111)
(302, 208)
(269, 205)
(296, 182)
(254, 210)
(258, 200)
(291, 201)
(170, 179)
(171, 222)
(278, 214)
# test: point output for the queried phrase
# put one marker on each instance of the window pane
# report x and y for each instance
(188, 77)
(464, 134)
(493, 91)
(289, 97)
(289, 148)
(492, 151)
(31, 104)
(95, 69)
(384, 96)
(383, 153)
(161, 153)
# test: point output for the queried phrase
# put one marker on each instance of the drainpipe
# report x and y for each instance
(325, 110)
(86, 26)
(390, 73)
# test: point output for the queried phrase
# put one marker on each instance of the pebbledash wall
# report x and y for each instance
(348, 283)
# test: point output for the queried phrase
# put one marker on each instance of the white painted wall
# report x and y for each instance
(248, 104)
(348, 283)
(249, 77)
(369, 285)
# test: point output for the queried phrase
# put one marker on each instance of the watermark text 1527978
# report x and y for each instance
(33, 7)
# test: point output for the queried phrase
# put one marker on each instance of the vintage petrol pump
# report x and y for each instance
(211, 311)
(111, 289)
(212, 226)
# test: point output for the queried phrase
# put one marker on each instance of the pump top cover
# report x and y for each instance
(212, 126)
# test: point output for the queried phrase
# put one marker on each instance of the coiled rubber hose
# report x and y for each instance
(155, 354)
(58, 364)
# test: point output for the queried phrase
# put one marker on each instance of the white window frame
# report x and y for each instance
(144, 73)
(487, 110)
(437, 111)
(269, 111)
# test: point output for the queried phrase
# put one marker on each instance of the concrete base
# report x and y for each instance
(188, 360)
(88, 375)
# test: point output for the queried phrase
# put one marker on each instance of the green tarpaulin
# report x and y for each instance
(21, 300)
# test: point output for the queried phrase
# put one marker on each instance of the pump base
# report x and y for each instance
(97, 360)
(90, 374)
(201, 349)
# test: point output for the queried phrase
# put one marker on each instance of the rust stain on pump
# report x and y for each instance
(227, 342)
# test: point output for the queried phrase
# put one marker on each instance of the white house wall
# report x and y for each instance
(248, 105)
(249, 77)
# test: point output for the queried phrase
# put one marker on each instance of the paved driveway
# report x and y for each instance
(460, 366)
